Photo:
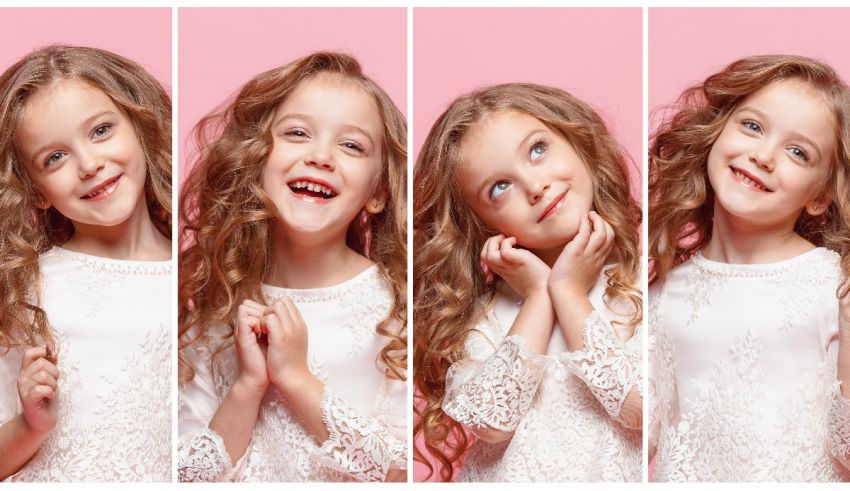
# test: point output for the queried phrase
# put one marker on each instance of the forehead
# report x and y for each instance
(495, 140)
(58, 109)
(333, 99)
(795, 106)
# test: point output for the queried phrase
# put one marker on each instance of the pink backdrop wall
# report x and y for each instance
(686, 45)
(221, 49)
(596, 54)
(140, 34)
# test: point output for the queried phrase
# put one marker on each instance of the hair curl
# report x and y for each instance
(681, 200)
(451, 293)
(26, 231)
(226, 215)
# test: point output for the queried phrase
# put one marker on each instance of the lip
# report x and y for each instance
(553, 207)
(108, 186)
(314, 180)
(750, 176)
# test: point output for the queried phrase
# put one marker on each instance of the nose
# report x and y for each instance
(320, 157)
(90, 164)
(762, 158)
(537, 188)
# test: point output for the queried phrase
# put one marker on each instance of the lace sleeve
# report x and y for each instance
(494, 393)
(359, 446)
(609, 367)
(838, 421)
(204, 459)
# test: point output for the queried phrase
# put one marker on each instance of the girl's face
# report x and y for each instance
(524, 179)
(773, 157)
(325, 162)
(82, 154)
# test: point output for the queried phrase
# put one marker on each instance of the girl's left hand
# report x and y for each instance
(287, 354)
(578, 267)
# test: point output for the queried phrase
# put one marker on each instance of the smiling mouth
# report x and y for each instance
(308, 188)
(553, 207)
(749, 180)
(102, 190)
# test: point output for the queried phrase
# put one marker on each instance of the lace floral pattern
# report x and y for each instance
(366, 415)
(500, 392)
(758, 409)
(609, 369)
(358, 446)
(838, 418)
(114, 398)
(561, 431)
(205, 459)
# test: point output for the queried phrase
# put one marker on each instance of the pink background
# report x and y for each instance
(221, 49)
(140, 34)
(595, 54)
(686, 45)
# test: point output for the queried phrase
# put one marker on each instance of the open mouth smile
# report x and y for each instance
(312, 190)
(103, 190)
(749, 180)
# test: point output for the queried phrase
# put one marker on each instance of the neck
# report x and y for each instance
(738, 242)
(137, 238)
(309, 264)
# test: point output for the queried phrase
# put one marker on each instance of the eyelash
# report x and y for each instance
(804, 155)
(539, 142)
(94, 137)
(351, 145)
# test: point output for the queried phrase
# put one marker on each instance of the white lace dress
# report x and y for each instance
(112, 323)
(562, 406)
(743, 377)
(365, 412)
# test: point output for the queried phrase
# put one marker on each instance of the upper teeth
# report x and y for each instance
(312, 186)
(746, 180)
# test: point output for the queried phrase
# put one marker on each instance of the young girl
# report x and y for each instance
(542, 363)
(85, 270)
(750, 236)
(292, 296)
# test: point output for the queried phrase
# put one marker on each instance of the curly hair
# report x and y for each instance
(26, 231)
(226, 215)
(451, 292)
(681, 200)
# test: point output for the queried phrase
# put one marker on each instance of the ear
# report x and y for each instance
(819, 205)
(40, 202)
(376, 202)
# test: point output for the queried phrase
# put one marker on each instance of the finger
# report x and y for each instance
(597, 236)
(280, 309)
(42, 392)
(493, 254)
(275, 327)
(609, 239)
(43, 378)
(32, 354)
(253, 304)
(294, 313)
(40, 364)
(583, 234)
(507, 252)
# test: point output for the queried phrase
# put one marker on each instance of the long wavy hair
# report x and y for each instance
(451, 292)
(26, 230)
(681, 200)
(226, 217)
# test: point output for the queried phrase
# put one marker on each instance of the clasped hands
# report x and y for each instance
(271, 344)
(574, 272)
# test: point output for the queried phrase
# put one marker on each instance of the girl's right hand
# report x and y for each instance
(249, 348)
(38, 390)
(578, 267)
(526, 273)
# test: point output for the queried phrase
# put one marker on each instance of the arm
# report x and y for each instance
(210, 451)
(21, 436)
(363, 447)
(610, 367)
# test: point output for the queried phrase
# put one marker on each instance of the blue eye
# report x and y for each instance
(537, 150)
(352, 145)
(752, 126)
(499, 188)
(799, 153)
(297, 133)
(53, 158)
(102, 131)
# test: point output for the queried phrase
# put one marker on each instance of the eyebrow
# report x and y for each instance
(795, 134)
(345, 127)
(85, 123)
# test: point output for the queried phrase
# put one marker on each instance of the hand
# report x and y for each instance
(521, 269)
(38, 390)
(287, 355)
(249, 347)
(578, 267)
